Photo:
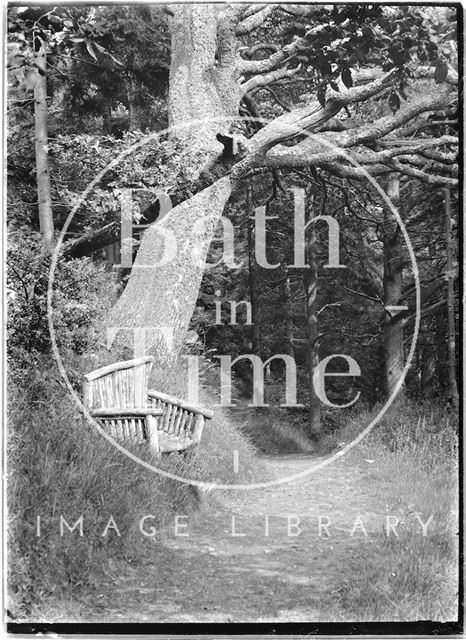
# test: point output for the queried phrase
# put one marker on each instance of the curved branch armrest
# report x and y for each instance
(118, 366)
(163, 397)
(130, 412)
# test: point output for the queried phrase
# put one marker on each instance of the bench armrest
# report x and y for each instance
(127, 412)
(193, 408)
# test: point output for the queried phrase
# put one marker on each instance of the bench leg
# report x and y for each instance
(198, 428)
(152, 433)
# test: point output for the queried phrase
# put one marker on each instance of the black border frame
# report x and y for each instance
(421, 628)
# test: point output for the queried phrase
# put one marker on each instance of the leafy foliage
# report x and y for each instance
(81, 294)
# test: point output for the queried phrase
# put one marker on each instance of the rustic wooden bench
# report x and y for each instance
(118, 397)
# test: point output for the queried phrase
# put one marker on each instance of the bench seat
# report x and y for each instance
(117, 396)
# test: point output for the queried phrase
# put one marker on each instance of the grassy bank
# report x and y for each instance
(59, 466)
(274, 431)
(411, 460)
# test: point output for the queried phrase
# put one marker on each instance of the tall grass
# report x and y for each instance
(411, 461)
(58, 465)
(274, 431)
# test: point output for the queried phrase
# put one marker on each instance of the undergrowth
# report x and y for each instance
(410, 459)
(60, 466)
(276, 431)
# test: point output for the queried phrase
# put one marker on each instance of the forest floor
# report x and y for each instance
(212, 575)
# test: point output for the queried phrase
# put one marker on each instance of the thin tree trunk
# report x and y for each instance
(452, 385)
(107, 118)
(441, 349)
(393, 289)
(133, 111)
(310, 291)
(44, 191)
(287, 300)
(253, 297)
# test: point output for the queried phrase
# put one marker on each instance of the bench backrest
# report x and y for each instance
(119, 386)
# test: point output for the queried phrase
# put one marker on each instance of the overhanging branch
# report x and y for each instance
(255, 20)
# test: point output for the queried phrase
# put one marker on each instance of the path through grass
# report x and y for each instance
(257, 555)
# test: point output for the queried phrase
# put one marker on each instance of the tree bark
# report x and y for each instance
(441, 349)
(133, 111)
(202, 78)
(107, 118)
(252, 276)
(393, 289)
(44, 191)
(287, 301)
(205, 85)
(159, 298)
(451, 342)
(310, 291)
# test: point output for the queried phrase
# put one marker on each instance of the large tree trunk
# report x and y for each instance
(451, 342)
(202, 76)
(160, 299)
(393, 289)
(44, 191)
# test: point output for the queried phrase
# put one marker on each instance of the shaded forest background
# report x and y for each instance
(87, 83)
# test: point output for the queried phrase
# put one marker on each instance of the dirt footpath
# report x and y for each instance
(269, 554)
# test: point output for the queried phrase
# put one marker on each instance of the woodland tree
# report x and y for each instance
(211, 76)
(314, 96)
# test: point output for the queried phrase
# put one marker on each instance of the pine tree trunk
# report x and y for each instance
(253, 297)
(310, 290)
(393, 289)
(44, 191)
(287, 301)
(133, 111)
(107, 118)
(452, 384)
(441, 348)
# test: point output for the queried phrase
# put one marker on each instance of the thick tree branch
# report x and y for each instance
(385, 125)
(331, 161)
(422, 175)
(428, 72)
(430, 165)
(268, 78)
(278, 58)
(314, 115)
(300, 10)
(255, 20)
(439, 156)
(250, 10)
(304, 153)
(359, 163)
(419, 143)
(250, 51)
(280, 102)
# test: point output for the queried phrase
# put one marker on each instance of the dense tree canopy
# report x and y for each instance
(318, 97)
